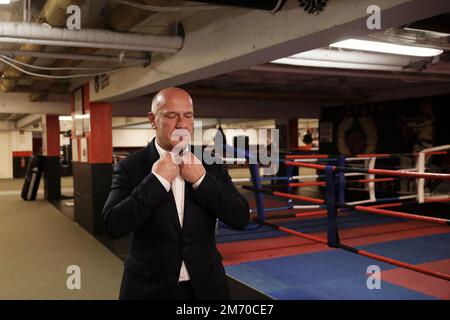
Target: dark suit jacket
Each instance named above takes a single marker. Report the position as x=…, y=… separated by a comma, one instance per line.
x=139, y=203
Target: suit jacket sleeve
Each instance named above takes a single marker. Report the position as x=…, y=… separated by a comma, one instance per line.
x=223, y=199
x=126, y=207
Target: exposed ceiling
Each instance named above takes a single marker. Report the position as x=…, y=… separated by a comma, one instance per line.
x=329, y=86
x=338, y=86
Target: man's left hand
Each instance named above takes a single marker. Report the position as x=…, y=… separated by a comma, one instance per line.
x=191, y=168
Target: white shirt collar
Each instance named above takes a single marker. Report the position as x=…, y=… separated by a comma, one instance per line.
x=162, y=151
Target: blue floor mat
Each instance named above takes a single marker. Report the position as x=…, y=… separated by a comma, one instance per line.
x=353, y=220
x=338, y=274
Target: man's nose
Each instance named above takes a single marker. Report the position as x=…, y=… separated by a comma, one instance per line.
x=181, y=123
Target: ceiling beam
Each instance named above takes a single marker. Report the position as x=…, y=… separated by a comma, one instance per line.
x=13, y=102
x=118, y=122
x=226, y=40
x=28, y=120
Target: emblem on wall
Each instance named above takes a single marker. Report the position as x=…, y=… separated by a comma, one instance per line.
x=420, y=129
x=356, y=135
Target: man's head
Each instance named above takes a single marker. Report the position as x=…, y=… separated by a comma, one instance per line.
x=172, y=116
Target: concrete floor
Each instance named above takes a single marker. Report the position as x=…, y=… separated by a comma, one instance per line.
x=38, y=244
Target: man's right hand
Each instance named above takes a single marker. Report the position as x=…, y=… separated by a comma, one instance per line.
x=166, y=167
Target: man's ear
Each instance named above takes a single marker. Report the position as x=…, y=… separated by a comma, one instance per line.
x=152, y=119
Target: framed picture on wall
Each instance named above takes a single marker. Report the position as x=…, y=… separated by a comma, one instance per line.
x=78, y=111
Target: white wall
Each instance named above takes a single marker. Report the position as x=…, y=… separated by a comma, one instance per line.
x=6, y=165
x=132, y=137
x=21, y=141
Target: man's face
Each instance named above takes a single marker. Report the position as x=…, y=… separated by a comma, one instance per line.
x=174, y=122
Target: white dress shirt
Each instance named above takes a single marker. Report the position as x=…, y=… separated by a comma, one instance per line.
x=177, y=187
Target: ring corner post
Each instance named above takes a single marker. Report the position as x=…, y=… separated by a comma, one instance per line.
x=330, y=199
x=254, y=173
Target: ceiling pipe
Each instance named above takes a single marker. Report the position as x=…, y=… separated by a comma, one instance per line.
x=266, y=5
x=116, y=21
x=69, y=56
x=34, y=33
x=52, y=13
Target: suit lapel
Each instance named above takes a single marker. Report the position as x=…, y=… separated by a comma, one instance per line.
x=153, y=156
x=187, y=205
x=173, y=211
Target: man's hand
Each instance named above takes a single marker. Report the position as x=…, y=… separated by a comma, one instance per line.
x=166, y=167
x=191, y=168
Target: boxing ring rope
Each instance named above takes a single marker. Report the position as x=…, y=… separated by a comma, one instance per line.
x=421, y=168
x=331, y=207
x=332, y=234
x=360, y=252
x=383, y=172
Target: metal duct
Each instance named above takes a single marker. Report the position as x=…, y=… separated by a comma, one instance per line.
x=103, y=39
x=54, y=11
x=117, y=21
x=267, y=5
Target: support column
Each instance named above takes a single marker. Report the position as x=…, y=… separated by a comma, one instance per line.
x=50, y=150
x=92, y=159
x=292, y=134
x=288, y=134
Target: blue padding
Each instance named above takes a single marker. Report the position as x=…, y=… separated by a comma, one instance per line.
x=415, y=250
x=339, y=274
x=353, y=220
x=353, y=288
x=315, y=267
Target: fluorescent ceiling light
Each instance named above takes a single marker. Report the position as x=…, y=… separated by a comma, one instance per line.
x=364, y=45
x=336, y=64
x=64, y=118
x=429, y=32
x=6, y=1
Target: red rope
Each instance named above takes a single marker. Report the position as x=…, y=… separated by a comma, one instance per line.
x=402, y=215
x=404, y=265
x=297, y=197
x=364, y=253
x=306, y=184
x=307, y=156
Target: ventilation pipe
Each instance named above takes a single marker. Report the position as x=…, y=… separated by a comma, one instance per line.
x=53, y=13
x=35, y=33
x=117, y=21
x=267, y=5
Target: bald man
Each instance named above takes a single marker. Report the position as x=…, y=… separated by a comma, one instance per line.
x=170, y=201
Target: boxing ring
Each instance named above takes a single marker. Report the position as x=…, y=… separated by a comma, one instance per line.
x=334, y=174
